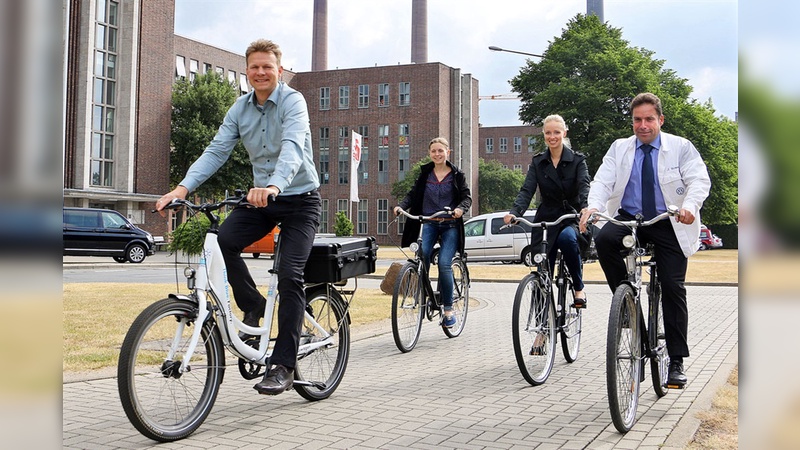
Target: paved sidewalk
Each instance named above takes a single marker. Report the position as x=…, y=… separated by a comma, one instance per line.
x=464, y=393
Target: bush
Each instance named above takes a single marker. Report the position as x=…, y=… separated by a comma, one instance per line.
x=190, y=236
x=343, y=226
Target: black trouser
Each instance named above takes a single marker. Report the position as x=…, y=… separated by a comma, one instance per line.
x=298, y=216
x=671, y=273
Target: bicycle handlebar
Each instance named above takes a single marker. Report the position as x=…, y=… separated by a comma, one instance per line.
x=208, y=207
x=421, y=217
x=525, y=221
x=672, y=210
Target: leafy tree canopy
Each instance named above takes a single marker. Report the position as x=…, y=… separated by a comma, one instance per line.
x=498, y=186
x=198, y=108
x=590, y=74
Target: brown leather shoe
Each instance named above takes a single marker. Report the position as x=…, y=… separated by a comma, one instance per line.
x=277, y=380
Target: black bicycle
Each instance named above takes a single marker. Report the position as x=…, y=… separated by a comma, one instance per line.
x=631, y=340
x=537, y=317
x=414, y=298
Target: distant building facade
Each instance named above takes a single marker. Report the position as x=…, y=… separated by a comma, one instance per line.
x=512, y=146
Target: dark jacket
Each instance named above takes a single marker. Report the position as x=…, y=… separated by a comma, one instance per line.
x=413, y=202
x=563, y=190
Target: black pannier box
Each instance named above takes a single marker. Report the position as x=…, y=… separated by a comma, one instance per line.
x=335, y=259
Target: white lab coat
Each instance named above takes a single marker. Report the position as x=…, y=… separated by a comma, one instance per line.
x=682, y=177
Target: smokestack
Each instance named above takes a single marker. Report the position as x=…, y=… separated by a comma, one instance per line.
x=319, y=39
x=595, y=7
x=419, y=31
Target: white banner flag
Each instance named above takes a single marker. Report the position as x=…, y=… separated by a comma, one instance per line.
x=355, y=160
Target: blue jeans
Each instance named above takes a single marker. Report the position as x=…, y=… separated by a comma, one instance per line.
x=431, y=232
x=567, y=242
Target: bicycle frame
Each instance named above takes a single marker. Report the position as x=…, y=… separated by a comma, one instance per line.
x=211, y=287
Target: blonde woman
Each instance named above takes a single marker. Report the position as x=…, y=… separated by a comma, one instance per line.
x=562, y=178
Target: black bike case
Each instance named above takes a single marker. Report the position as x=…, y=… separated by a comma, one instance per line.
x=335, y=259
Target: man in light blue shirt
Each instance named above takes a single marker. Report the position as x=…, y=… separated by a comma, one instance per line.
x=273, y=124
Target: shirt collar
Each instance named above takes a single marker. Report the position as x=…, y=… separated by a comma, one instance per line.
x=273, y=97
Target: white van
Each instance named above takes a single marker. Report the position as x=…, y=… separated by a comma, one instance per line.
x=486, y=242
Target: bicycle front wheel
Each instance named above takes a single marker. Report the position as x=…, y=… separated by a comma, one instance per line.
x=160, y=401
x=623, y=360
x=323, y=367
x=571, y=329
x=659, y=361
x=408, y=308
x=533, y=330
x=460, y=298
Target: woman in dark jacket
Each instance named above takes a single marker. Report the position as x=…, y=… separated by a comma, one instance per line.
x=440, y=185
x=562, y=178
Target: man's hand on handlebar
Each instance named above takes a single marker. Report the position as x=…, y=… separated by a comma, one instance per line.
x=179, y=192
x=585, y=215
x=509, y=218
x=684, y=216
x=260, y=197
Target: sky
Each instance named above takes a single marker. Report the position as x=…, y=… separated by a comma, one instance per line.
x=697, y=39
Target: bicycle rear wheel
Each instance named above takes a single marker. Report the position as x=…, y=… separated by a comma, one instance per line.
x=408, y=308
x=571, y=328
x=623, y=360
x=323, y=367
x=659, y=362
x=160, y=401
x=533, y=330
x=460, y=298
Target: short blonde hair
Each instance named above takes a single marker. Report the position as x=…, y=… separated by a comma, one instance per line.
x=266, y=46
x=439, y=140
x=557, y=119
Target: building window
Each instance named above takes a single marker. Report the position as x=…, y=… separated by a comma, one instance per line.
x=324, y=155
x=517, y=144
x=193, y=66
x=323, y=217
x=363, y=96
x=342, y=206
x=383, y=216
x=324, y=98
x=405, y=93
x=363, y=173
x=383, y=94
x=401, y=224
x=104, y=94
x=383, y=154
x=363, y=220
x=232, y=78
x=243, y=82
x=344, y=155
x=403, y=152
x=220, y=71
x=206, y=68
x=489, y=145
x=180, y=65
x=503, y=145
x=344, y=97
x=518, y=167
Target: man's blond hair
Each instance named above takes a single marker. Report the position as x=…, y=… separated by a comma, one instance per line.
x=266, y=46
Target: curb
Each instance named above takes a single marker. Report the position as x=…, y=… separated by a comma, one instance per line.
x=687, y=426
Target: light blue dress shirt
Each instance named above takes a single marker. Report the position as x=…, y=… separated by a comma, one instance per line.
x=277, y=137
x=632, y=198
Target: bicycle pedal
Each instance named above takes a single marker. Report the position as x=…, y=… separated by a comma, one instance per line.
x=676, y=386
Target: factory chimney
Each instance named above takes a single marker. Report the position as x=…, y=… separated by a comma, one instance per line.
x=595, y=7
x=319, y=39
x=419, y=31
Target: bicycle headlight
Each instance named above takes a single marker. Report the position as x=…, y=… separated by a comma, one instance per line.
x=188, y=272
x=414, y=247
x=628, y=241
x=538, y=258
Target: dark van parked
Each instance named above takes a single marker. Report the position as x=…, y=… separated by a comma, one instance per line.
x=103, y=232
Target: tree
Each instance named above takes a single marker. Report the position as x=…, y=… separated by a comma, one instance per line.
x=198, y=108
x=497, y=186
x=590, y=74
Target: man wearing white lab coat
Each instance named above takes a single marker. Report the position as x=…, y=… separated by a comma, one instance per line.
x=620, y=188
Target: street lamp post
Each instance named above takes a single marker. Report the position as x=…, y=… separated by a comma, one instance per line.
x=498, y=49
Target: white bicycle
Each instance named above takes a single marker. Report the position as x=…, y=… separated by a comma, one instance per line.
x=172, y=360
